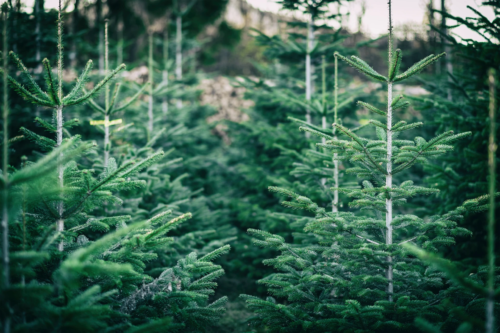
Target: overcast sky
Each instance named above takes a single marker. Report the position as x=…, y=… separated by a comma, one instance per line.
x=403, y=11
x=375, y=19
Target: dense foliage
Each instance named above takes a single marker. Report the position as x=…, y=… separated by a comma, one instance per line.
x=125, y=208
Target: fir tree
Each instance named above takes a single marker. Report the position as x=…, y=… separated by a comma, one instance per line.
x=456, y=175
x=110, y=100
x=180, y=11
x=483, y=285
x=267, y=149
x=332, y=277
x=92, y=261
x=313, y=9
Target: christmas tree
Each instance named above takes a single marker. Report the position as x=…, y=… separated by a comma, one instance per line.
x=97, y=263
x=350, y=271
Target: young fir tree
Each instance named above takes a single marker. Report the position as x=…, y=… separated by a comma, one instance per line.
x=180, y=10
x=349, y=271
x=314, y=9
x=168, y=181
x=268, y=149
x=308, y=169
x=455, y=175
x=110, y=102
x=95, y=277
x=480, y=288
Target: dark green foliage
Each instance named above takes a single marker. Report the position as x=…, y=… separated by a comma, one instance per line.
x=315, y=204
x=352, y=271
x=89, y=266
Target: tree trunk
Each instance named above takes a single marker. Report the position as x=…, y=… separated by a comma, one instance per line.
x=39, y=10
x=5, y=208
x=119, y=49
x=60, y=175
x=446, y=48
x=98, y=8
x=150, y=106
x=178, y=53
x=74, y=27
x=490, y=302
x=164, y=104
x=388, y=179
x=310, y=43
x=335, y=205
x=60, y=122
x=107, y=143
x=323, y=118
x=15, y=18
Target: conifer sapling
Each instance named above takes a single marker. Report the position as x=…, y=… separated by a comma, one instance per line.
x=54, y=98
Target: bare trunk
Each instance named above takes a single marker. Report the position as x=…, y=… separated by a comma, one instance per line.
x=335, y=205
x=388, y=179
x=178, y=50
x=446, y=48
x=164, y=104
x=5, y=253
x=73, y=27
x=150, y=106
x=323, y=140
x=388, y=185
x=323, y=118
x=60, y=122
x=5, y=206
x=119, y=49
x=490, y=303
x=98, y=9
x=310, y=43
x=178, y=54
x=38, y=18
x=15, y=17
x=60, y=174
x=107, y=143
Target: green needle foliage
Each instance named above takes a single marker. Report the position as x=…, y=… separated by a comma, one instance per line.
x=350, y=272
x=78, y=263
x=111, y=103
x=129, y=228
x=483, y=283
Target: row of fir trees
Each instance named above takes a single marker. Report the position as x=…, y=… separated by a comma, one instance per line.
x=388, y=223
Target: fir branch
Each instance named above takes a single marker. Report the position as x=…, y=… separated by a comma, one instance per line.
x=315, y=132
x=372, y=108
x=131, y=100
x=94, y=105
x=363, y=67
x=418, y=67
x=168, y=226
x=283, y=191
x=49, y=162
x=36, y=90
x=51, y=85
x=311, y=126
x=136, y=167
x=97, y=88
x=26, y=95
x=395, y=64
x=45, y=124
x=358, y=140
x=113, y=97
x=451, y=271
x=80, y=82
x=215, y=254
